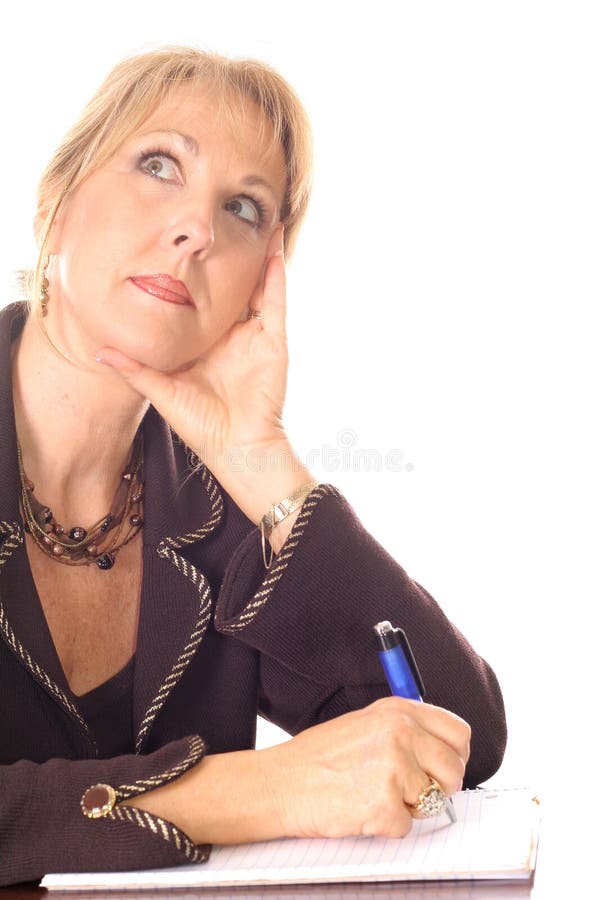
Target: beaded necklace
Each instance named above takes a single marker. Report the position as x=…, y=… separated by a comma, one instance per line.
x=101, y=542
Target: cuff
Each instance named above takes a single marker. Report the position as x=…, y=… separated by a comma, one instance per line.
x=99, y=801
x=246, y=575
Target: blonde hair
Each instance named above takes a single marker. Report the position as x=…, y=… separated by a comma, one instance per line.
x=130, y=93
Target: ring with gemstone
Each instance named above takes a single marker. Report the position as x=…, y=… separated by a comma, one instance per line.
x=431, y=802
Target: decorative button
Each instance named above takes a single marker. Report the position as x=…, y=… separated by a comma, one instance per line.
x=98, y=801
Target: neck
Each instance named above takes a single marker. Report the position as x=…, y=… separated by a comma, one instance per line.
x=75, y=426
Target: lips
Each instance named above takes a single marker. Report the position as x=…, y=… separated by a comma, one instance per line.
x=165, y=288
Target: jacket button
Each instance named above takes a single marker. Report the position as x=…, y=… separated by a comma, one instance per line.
x=98, y=801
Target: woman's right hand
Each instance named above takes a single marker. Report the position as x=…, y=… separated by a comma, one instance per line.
x=355, y=774
x=352, y=775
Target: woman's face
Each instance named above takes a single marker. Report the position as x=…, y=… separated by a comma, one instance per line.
x=183, y=199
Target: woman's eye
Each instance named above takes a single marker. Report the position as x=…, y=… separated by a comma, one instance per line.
x=160, y=165
x=246, y=209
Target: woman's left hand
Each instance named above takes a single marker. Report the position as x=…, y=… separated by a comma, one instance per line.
x=232, y=398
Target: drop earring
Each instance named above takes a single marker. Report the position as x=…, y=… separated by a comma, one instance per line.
x=44, y=296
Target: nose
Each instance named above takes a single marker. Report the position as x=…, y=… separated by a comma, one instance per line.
x=192, y=233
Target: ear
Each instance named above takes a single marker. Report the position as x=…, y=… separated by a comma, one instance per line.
x=39, y=222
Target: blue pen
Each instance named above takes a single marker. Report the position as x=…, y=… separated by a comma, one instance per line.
x=401, y=672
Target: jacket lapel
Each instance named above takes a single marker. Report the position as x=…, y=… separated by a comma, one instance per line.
x=177, y=600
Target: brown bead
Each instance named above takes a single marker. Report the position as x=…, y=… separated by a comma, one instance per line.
x=57, y=550
x=135, y=520
x=91, y=550
x=58, y=529
x=29, y=484
x=48, y=542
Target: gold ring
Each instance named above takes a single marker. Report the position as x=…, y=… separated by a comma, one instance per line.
x=431, y=802
x=253, y=314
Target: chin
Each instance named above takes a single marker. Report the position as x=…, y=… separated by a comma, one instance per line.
x=164, y=359
x=156, y=347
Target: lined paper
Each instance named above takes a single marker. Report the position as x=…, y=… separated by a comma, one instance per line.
x=495, y=837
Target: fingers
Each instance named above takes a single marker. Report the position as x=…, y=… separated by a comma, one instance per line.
x=362, y=772
x=275, y=247
x=439, y=761
x=150, y=383
x=432, y=742
x=269, y=299
x=441, y=723
x=181, y=408
x=446, y=727
x=273, y=307
x=390, y=817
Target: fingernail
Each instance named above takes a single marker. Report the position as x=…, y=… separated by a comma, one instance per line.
x=101, y=358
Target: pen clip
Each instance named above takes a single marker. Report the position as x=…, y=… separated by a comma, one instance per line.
x=403, y=641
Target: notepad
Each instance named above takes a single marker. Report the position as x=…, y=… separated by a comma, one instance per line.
x=495, y=837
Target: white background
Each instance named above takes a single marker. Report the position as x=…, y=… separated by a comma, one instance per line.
x=440, y=302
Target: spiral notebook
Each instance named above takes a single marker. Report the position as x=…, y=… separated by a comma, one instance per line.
x=495, y=838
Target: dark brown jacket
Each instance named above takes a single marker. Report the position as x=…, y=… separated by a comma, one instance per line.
x=219, y=641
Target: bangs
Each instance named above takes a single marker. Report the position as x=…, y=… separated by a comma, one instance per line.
x=238, y=88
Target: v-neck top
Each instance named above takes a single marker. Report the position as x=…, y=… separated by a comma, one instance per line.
x=108, y=712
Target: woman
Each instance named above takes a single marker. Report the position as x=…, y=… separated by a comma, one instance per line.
x=152, y=604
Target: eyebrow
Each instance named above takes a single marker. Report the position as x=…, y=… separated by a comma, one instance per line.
x=191, y=145
x=251, y=180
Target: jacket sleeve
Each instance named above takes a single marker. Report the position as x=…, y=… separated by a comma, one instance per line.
x=311, y=617
x=43, y=828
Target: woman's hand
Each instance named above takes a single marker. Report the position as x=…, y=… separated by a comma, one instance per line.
x=356, y=774
x=228, y=405
x=232, y=398
x=353, y=775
